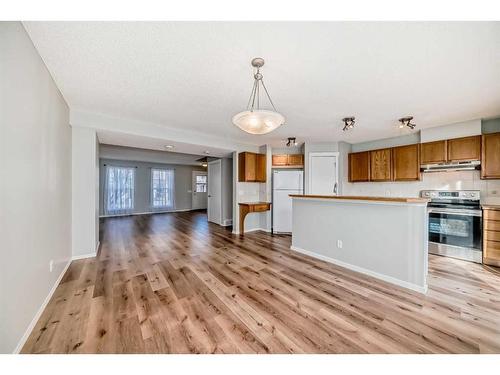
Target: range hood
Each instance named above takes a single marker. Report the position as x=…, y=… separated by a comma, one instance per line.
x=450, y=167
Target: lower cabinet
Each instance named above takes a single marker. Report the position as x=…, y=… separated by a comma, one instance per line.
x=491, y=236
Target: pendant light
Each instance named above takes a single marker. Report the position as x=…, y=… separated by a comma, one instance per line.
x=256, y=120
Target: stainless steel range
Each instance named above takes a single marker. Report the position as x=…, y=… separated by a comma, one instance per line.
x=455, y=223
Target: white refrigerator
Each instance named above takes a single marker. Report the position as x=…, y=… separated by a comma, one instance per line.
x=285, y=183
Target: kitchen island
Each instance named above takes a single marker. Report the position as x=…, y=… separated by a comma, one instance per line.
x=379, y=236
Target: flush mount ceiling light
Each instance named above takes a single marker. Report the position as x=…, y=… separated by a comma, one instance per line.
x=348, y=123
x=207, y=152
x=255, y=120
x=406, y=121
x=291, y=141
x=169, y=147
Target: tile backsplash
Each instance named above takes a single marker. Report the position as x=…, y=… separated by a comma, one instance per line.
x=460, y=180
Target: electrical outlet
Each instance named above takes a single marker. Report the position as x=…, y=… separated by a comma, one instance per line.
x=339, y=244
x=51, y=265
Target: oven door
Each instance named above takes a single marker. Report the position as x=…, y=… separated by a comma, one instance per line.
x=455, y=233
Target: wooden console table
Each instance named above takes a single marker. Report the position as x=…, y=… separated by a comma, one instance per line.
x=248, y=207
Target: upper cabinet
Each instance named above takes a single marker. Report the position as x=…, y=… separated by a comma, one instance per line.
x=433, y=152
x=288, y=161
x=359, y=166
x=381, y=165
x=251, y=167
x=464, y=149
x=406, y=163
x=490, y=156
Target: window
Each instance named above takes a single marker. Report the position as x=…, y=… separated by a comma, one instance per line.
x=201, y=183
x=119, y=189
x=162, y=188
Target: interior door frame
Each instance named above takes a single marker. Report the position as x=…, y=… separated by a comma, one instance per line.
x=218, y=161
x=193, y=186
x=309, y=168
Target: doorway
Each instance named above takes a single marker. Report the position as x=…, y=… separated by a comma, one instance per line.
x=323, y=173
x=199, y=189
x=214, y=201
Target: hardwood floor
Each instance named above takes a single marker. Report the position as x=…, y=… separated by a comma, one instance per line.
x=172, y=283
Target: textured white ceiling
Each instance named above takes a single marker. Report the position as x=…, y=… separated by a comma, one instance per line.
x=196, y=75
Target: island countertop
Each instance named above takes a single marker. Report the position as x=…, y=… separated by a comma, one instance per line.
x=362, y=198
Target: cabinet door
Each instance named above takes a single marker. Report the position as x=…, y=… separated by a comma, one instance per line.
x=381, y=165
x=462, y=149
x=433, y=152
x=260, y=168
x=490, y=158
x=406, y=163
x=296, y=160
x=359, y=166
x=280, y=160
x=246, y=167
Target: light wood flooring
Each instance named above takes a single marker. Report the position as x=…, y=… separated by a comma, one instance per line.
x=172, y=283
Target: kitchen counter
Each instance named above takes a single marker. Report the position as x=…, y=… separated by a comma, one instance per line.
x=361, y=198
x=384, y=238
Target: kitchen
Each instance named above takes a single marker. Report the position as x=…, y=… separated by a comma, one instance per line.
x=454, y=167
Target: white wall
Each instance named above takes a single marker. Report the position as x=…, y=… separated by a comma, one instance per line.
x=85, y=202
x=401, y=257
x=35, y=184
x=457, y=130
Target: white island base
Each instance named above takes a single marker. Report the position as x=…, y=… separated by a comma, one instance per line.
x=384, y=238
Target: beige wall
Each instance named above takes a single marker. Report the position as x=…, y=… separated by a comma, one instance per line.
x=35, y=184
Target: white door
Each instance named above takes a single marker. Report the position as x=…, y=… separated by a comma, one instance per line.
x=214, y=211
x=323, y=173
x=199, y=190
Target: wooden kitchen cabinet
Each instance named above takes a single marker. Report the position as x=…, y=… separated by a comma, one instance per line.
x=251, y=167
x=406, y=163
x=464, y=149
x=288, y=161
x=433, y=152
x=359, y=166
x=280, y=160
x=490, y=156
x=491, y=235
x=381, y=165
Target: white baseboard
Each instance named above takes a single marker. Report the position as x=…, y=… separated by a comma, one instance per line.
x=32, y=325
x=227, y=223
x=49, y=296
x=151, y=212
x=254, y=230
x=88, y=255
x=389, y=279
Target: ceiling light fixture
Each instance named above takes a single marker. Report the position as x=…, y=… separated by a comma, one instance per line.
x=207, y=152
x=255, y=120
x=169, y=147
x=348, y=123
x=406, y=121
x=204, y=165
x=291, y=141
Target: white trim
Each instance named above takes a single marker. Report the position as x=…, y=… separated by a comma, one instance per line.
x=49, y=296
x=254, y=230
x=227, y=222
x=389, y=279
x=218, y=161
x=149, y=212
x=38, y=314
x=309, y=169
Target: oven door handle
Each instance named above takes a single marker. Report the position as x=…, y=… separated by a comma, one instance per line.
x=455, y=212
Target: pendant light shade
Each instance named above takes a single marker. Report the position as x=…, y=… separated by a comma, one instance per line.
x=256, y=120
